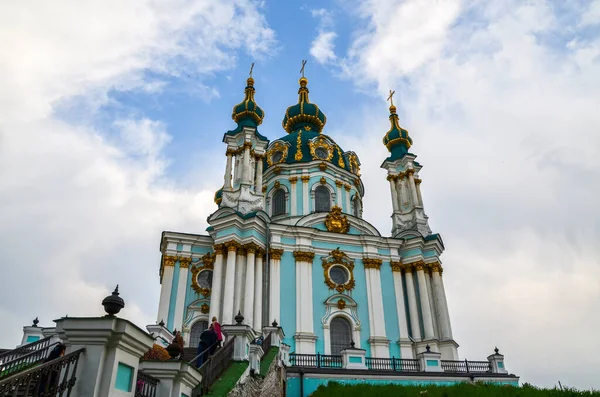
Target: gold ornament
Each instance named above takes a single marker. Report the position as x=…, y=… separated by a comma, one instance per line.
x=320, y=142
x=277, y=147
x=184, y=262
x=323, y=166
x=340, y=158
x=304, y=256
x=275, y=253
x=305, y=178
x=338, y=258
x=298, y=155
x=208, y=263
x=341, y=304
x=336, y=222
x=293, y=180
x=372, y=263
x=322, y=181
x=204, y=308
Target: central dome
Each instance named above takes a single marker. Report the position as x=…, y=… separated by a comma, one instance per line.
x=304, y=114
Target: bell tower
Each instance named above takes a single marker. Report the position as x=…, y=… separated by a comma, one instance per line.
x=405, y=185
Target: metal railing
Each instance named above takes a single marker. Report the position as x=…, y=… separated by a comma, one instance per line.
x=315, y=360
x=266, y=344
x=145, y=386
x=25, y=349
x=24, y=359
x=466, y=367
x=392, y=364
x=216, y=365
x=54, y=378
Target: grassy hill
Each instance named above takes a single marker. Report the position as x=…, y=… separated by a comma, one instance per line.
x=460, y=390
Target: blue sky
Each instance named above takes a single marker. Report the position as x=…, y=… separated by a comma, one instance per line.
x=112, y=115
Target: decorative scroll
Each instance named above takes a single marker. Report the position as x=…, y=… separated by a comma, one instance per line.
x=336, y=222
x=208, y=263
x=338, y=258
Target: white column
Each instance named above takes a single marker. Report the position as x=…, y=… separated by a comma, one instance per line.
x=348, y=201
x=418, y=185
x=229, y=283
x=402, y=191
x=274, y=282
x=305, y=338
x=440, y=299
x=238, y=291
x=246, y=160
x=229, y=154
x=293, y=204
x=378, y=341
x=216, y=294
x=236, y=173
x=399, y=291
x=259, y=174
x=252, y=168
x=248, y=311
x=184, y=264
x=338, y=185
x=432, y=305
x=165, y=288
x=425, y=307
x=412, y=304
x=413, y=189
x=258, y=284
x=305, y=202
x=395, y=201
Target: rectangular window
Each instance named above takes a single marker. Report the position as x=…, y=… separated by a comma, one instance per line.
x=124, y=379
x=32, y=338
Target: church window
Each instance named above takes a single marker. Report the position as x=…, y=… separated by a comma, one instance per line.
x=339, y=275
x=278, y=203
x=322, y=199
x=197, y=329
x=204, y=279
x=277, y=157
x=340, y=335
x=322, y=153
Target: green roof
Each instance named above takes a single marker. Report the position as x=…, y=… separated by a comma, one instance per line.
x=304, y=113
x=396, y=139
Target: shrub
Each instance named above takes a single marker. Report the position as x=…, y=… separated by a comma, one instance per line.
x=157, y=353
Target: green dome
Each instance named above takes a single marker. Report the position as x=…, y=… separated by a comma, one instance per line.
x=304, y=114
x=302, y=146
x=248, y=112
x=396, y=139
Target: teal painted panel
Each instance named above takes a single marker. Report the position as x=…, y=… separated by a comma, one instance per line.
x=355, y=359
x=432, y=363
x=32, y=338
x=383, y=251
x=411, y=252
x=332, y=246
x=501, y=365
x=390, y=311
x=359, y=294
x=288, y=240
x=200, y=249
x=232, y=231
x=124, y=379
x=311, y=384
x=184, y=395
x=173, y=297
x=179, y=246
x=287, y=306
x=429, y=254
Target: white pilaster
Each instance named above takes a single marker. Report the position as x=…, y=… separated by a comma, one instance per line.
x=248, y=310
x=339, y=198
x=406, y=350
x=305, y=202
x=216, y=294
x=258, y=284
x=246, y=162
x=259, y=174
x=184, y=264
x=413, y=189
x=305, y=337
x=275, y=280
x=425, y=307
x=239, y=280
x=229, y=284
x=293, y=196
x=402, y=191
x=378, y=341
x=418, y=185
x=165, y=289
x=348, y=201
x=227, y=184
x=412, y=304
x=440, y=299
x=395, y=201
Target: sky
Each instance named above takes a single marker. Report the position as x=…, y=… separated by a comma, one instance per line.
x=112, y=114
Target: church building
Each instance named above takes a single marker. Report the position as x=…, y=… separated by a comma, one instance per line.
x=288, y=245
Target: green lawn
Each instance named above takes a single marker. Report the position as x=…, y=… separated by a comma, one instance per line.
x=227, y=381
x=460, y=390
x=268, y=359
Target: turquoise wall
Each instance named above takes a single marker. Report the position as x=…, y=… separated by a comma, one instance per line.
x=232, y=231
x=287, y=284
x=332, y=246
x=390, y=312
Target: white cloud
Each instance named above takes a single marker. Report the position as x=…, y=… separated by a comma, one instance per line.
x=323, y=47
x=505, y=125
x=82, y=205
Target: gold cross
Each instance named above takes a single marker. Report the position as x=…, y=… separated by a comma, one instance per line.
x=390, y=98
x=251, y=67
x=303, y=64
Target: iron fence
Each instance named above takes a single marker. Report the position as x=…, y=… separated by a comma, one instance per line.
x=315, y=360
x=392, y=364
x=473, y=367
x=54, y=378
x=145, y=385
x=216, y=365
x=12, y=355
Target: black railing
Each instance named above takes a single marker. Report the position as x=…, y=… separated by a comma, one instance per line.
x=466, y=367
x=145, y=385
x=392, y=364
x=11, y=355
x=315, y=360
x=24, y=359
x=266, y=344
x=54, y=378
x=216, y=365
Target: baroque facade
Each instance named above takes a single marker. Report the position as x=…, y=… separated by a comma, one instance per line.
x=288, y=244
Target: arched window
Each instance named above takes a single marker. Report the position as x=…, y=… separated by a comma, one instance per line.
x=278, y=206
x=357, y=207
x=197, y=329
x=322, y=200
x=341, y=335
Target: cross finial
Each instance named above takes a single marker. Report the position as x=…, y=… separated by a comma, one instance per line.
x=391, y=97
x=251, y=67
x=302, y=69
